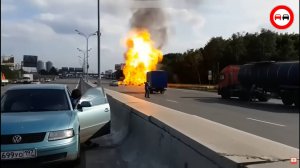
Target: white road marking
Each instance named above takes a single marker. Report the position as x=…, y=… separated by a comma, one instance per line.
x=183, y=90
x=172, y=101
x=266, y=122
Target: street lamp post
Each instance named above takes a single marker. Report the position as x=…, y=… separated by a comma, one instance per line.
x=84, y=58
x=87, y=46
x=81, y=61
x=98, y=41
x=83, y=65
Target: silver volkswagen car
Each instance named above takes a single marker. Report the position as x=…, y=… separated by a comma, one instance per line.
x=40, y=123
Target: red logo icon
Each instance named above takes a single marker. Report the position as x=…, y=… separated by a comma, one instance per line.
x=293, y=160
x=282, y=17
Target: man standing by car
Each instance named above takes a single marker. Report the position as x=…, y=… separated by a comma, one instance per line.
x=75, y=96
x=147, y=90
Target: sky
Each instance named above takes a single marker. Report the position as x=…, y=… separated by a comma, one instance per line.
x=46, y=28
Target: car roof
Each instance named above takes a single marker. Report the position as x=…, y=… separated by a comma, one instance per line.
x=38, y=86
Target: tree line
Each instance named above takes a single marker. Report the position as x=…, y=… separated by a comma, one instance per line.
x=193, y=65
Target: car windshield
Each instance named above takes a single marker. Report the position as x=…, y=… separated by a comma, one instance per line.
x=34, y=100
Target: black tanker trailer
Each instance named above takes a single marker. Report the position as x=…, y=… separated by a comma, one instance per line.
x=262, y=81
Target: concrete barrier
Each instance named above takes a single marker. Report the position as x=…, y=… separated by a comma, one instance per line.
x=148, y=135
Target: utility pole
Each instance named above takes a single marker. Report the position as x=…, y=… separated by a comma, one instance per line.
x=87, y=46
x=98, y=41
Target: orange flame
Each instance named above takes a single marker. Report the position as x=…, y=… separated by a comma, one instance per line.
x=141, y=57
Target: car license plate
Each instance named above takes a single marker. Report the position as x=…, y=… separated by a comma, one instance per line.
x=23, y=154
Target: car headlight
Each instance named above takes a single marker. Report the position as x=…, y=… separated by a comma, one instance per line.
x=63, y=134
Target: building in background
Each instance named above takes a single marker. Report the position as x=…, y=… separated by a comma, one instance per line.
x=30, y=61
x=49, y=65
x=119, y=66
x=8, y=60
x=71, y=70
x=108, y=74
x=40, y=65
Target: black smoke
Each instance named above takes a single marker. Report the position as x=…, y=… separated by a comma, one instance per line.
x=153, y=19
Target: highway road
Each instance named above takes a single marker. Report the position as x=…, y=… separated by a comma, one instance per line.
x=271, y=120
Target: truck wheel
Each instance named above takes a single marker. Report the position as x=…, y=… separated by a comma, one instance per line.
x=225, y=96
x=263, y=99
x=162, y=92
x=287, y=100
x=296, y=99
x=244, y=97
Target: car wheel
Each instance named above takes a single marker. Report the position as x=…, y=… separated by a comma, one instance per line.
x=77, y=161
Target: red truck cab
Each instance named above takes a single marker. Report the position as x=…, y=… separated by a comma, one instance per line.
x=229, y=81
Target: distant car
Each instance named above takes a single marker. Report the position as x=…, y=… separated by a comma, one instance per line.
x=19, y=80
x=39, y=123
x=14, y=81
x=36, y=82
x=47, y=80
x=114, y=83
x=26, y=80
x=4, y=82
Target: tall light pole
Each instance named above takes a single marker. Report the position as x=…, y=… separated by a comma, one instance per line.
x=87, y=46
x=98, y=41
x=80, y=60
x=83, y=65
x=84, y=58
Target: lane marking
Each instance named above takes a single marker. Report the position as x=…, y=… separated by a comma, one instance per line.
x=183, y=90
x=173, y=101
x=266, y=122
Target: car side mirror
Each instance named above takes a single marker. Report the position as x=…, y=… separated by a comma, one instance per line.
x=84, y=104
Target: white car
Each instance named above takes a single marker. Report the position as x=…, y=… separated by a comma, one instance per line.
x=26, y=80
x=36, y=82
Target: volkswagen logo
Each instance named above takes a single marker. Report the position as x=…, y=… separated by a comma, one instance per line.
x=16, y=139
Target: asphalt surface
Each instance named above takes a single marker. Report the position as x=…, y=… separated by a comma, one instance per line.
x=271, y=120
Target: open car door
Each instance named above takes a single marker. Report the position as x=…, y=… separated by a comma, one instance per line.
x=94, y=114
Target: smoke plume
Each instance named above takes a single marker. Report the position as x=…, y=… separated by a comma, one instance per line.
x=153, y=19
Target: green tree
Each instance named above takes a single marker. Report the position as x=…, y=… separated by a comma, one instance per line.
x=193, y=59
x=212, y=54
x=192, y=66
x=267, y=40
x=53, y=71
x=43, y=72
x=9, y=74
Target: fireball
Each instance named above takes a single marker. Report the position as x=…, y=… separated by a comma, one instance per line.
x=141, y=57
